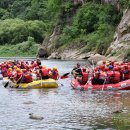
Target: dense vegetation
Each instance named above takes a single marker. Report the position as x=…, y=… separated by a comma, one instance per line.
x=91, y=25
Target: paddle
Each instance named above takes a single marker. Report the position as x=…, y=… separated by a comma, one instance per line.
x=64, y=76
x=19, y=81
x=60, y=83
x=6, y=84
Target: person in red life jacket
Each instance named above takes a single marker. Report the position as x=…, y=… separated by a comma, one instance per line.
x=22, y=65
x=35, y=64
x=18, y=76
x=84, y=78
x=55, y=74
x=116, y=78
x=125, y=73
x=111, y=75
x=50, y=72
x=8, y=66
x=44, y=73
x=31, y=67
x=9, y=73
x=102, y=67
x=4, y=70
x=18, y=65
x=26, y=77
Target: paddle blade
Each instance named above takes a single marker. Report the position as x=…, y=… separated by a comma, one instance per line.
x=6, y=84
x=64, y=77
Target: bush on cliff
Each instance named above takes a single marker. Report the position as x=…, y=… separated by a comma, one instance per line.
x=93, y=25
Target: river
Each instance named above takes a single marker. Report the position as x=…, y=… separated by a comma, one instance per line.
x=62, y=108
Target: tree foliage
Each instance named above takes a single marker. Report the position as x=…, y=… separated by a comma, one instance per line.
x=91, y=24
x=94, y=21
x=14, y=31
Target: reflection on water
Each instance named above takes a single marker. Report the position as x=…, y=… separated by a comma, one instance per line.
x=62, y=108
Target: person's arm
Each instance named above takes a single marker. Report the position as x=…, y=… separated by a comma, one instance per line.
x=19, y=80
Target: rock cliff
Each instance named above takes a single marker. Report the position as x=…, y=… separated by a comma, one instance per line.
x=121, y=42
x=119, y=48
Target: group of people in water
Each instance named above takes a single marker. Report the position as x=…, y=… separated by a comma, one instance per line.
x=108, y=72
x=25, y=72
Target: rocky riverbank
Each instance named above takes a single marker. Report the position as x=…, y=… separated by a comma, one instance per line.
x=118, y=50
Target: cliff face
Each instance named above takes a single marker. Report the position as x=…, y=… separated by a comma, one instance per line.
x=118, y=48
x=121, y=41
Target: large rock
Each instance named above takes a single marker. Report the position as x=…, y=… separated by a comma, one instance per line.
x=42, y=53
x=54, y=55
x=121, y=40
x=96, y=58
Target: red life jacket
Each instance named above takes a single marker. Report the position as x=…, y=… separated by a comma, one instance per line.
x=44, y=72
x=9, y=74
x=113, y=76
x=55, y=74
x=116, y=77
x=18, y=76
x=4, y=72
x=110, y=75
x=84, y=76
x=27, y=78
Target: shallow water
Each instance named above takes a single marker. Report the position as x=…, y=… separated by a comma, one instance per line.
x=62, y=108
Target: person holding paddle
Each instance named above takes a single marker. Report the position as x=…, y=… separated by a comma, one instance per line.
x=17, y=77
x=77, y=71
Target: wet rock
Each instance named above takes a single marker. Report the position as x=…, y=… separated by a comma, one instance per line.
x=35, y=117
x=54, y=55
x=99, y=63
x=42, y=53
x=97, y=57
x=118, y=111
x=29, y=102
x=86, y=55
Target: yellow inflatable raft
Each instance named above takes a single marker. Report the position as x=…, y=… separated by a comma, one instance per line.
x=47, y=83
